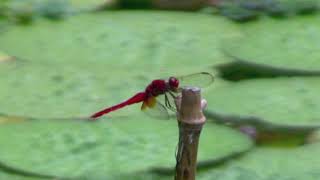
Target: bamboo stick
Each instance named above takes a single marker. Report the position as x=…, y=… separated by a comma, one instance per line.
x=190, y=121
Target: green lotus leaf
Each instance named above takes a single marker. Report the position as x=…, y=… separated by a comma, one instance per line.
x=289, y=45
x=282, y=101
x=106, y=148
x=268, y=163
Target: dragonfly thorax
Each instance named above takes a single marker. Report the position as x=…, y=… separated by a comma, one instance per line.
x=157, y=87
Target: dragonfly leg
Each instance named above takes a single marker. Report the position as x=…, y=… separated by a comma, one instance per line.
x=168, y=104
x=174, y=96
x=166, y=100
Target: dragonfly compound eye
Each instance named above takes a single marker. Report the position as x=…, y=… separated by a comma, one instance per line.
x=173, y=82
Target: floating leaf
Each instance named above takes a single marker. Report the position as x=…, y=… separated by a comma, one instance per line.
x=269, y=163
x=4, y=175
x=90, y=5
x=282, y=101
x=106, y=148
x=39, y=91
x=69, y=71
x=42, y=92
x=287, y=45
x=154, y=43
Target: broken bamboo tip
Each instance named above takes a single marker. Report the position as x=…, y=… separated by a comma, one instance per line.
x=190, y=106
x=190, y=120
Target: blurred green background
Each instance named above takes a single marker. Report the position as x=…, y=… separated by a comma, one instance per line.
x=62, y=60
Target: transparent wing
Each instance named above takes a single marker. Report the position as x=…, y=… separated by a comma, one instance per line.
x=167, y=100
x=201, y=80
x=155, y=109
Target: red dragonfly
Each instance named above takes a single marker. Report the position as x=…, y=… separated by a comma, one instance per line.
x=165, y=87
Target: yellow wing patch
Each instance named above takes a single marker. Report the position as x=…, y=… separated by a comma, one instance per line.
x=144, y=106
x=150, y=102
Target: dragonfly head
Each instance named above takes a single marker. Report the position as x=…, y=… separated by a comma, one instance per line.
x=173, y=83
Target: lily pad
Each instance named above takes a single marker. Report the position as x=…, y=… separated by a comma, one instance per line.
x=154, y=41
x=8, y=172
x=69, y=71
x=40, y=91
x=288, y=45
x=4, y=175
x=57, y=7
x=89, y=5
x=106, y=148
x=268, y=163
x=282, y=101
x=4, y=24
x=63, y=7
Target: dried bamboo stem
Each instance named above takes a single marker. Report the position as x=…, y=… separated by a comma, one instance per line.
x=190, y=120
